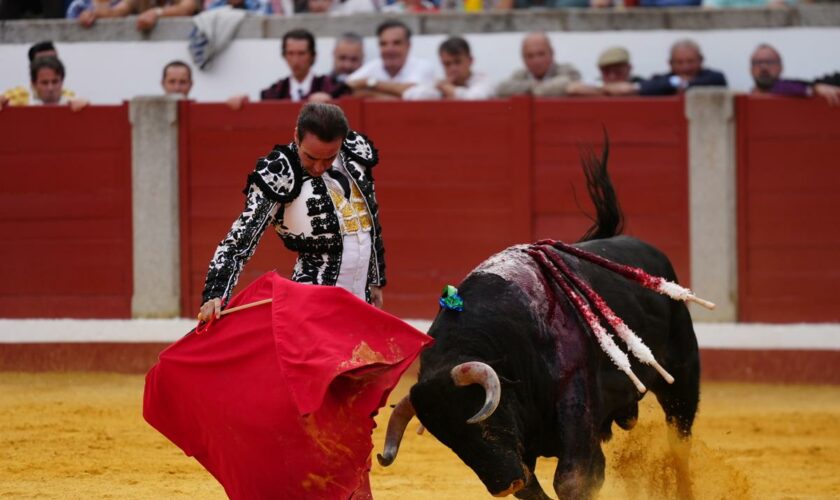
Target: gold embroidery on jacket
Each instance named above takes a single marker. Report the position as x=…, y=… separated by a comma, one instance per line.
x=353, y=215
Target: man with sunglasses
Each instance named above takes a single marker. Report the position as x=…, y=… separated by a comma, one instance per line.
x=766, y=70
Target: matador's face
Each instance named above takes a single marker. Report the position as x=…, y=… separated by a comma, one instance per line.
x=317, y=156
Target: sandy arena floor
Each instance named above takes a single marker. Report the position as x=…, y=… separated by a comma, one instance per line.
x=82, y=436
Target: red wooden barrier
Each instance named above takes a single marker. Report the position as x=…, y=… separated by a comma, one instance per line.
x=65, y=212
x=219, y=149
x=648, y=164
x=788, y=238
x=455, y=181
x=452, y=186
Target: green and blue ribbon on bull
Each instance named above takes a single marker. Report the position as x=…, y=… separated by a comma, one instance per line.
x=450, y=299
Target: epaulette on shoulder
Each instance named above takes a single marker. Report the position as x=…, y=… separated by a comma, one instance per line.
x=278, y=174
x=360, y=149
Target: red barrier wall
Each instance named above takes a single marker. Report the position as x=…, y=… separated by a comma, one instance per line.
x=788, y=184
x=457, y=181
x=219, y=148
x=65, y=212
x=439, y=218
x=648, y=164
x=454, y=188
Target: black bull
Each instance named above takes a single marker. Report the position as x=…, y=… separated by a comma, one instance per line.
x=522, y=357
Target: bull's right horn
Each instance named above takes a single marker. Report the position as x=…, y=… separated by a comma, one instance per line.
x=476, y=372
x=396, y=428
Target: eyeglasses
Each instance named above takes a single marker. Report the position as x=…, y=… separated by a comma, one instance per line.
x=765, y=62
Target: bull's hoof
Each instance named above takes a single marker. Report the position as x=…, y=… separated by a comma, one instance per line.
x=627, y=418
x=627, y=424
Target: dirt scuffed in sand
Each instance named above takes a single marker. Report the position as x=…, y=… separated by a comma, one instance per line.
x=82, y=436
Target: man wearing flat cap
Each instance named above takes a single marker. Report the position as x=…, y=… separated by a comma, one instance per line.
x=614, y=65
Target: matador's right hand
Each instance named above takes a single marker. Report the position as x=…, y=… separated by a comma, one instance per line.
x=211, y=308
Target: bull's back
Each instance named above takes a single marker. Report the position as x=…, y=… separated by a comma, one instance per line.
x=632, y=252
x=651, y=315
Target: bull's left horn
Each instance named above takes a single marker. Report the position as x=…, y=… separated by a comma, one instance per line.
x=396, y=428
x=476, y=372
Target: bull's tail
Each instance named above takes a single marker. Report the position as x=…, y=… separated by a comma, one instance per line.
x=609, y=219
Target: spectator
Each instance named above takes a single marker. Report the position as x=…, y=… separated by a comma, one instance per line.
x=460, y=82
x=542, y=76
x=546, y=4
x=260, y=7
x=616, y=72
x=40, y=49
x=766, y=69
x=747, y=3
x=26, y=9
x=687, y=71
x=177, y=78
x=670, y=3
x=20, y=95
x=410, y=6
x=831, y=79
x=394, y=71
x=348, y=56
x=149, y=11
x=47, y=78
x=298, y=48
x=339, y=7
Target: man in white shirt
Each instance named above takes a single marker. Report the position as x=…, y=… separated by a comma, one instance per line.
x=460, y=82
x=394, y=71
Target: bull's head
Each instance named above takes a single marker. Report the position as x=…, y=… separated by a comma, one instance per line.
x=460, y=409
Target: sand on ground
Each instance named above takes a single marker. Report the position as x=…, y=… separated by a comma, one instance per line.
x=82, y=435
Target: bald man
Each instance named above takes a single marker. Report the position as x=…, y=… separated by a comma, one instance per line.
x=766, y=70
x=542, y=76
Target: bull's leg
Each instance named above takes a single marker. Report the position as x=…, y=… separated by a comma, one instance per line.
x=579, y=477
x=679, y=400
x=532, y=489
x=580, y=469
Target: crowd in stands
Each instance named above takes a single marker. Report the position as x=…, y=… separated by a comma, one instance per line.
x=149, y=11
x=397, y=74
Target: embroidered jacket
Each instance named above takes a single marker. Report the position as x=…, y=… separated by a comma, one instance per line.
x=299, y=207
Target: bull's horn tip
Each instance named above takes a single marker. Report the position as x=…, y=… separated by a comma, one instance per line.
x=384, y=462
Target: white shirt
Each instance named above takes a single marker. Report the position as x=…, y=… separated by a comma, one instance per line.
x=477, y=87
x=414, y=70
x=299, y=90
x=356, y=248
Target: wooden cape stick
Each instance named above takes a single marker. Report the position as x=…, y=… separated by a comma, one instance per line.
x=243, y=306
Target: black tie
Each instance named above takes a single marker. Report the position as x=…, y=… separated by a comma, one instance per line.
x=342, y=179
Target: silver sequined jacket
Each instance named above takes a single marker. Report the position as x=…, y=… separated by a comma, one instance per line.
x=314, y=233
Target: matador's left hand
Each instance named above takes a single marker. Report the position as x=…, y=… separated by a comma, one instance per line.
x=376, y=296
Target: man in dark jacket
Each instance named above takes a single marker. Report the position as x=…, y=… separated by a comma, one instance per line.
x=687, y=71
x=303, y=84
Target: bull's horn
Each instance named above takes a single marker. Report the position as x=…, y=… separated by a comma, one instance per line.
x=476, y=372
x=396, y=428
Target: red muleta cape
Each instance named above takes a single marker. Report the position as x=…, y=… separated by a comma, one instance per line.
x=276, y=401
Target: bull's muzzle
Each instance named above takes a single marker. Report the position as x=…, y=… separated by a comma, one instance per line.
x=513, y=488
